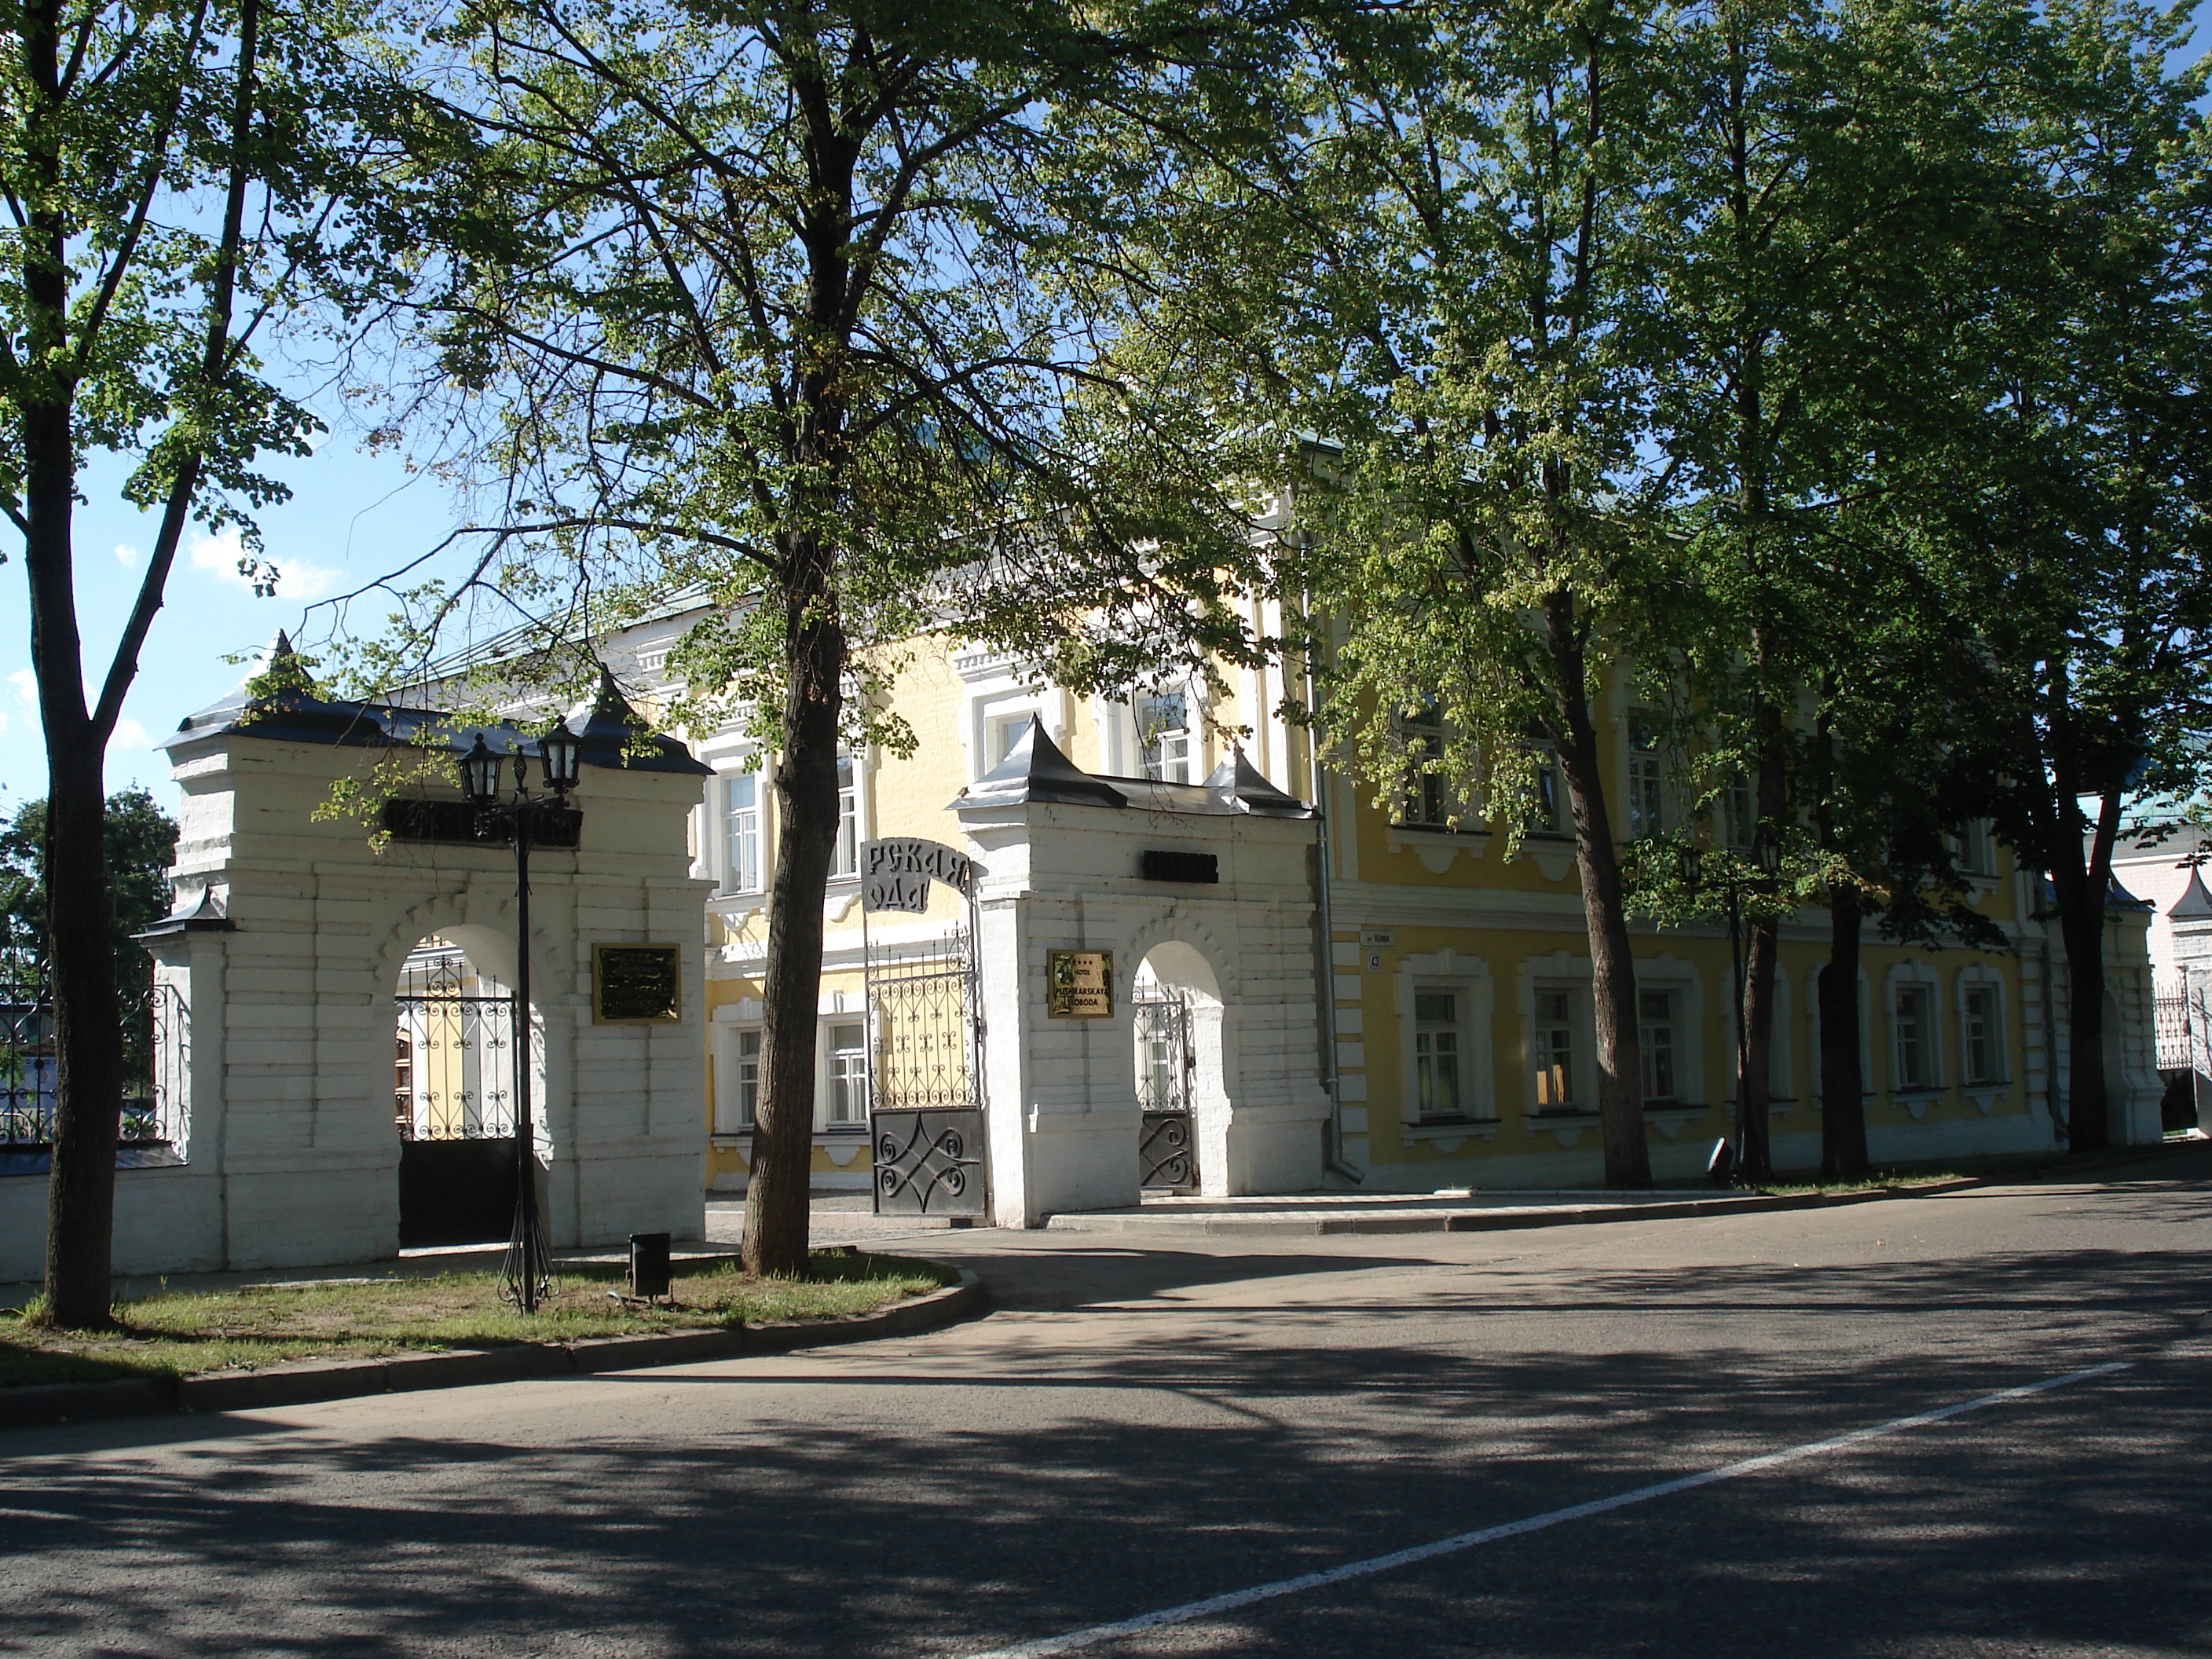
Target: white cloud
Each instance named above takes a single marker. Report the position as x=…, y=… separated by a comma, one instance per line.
x=127, y=555
x=26, y=684
x=295, y=578
x=129, y=734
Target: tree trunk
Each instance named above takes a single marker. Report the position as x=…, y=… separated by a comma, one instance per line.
x=1842, y=1091
x=1754, y=1088
x=776, y=1188
x=2082, y=930
x=1612, y=968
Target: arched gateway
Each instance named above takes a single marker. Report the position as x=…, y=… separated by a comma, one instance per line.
x=1148, y=957
x=303, y=1080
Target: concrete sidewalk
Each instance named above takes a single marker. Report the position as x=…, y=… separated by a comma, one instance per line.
x=1452, y=1210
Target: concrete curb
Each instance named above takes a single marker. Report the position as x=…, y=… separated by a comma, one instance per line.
x=1486, y=1221
x=315, y=1381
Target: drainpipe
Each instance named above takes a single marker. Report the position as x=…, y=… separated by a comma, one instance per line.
x=1333, y=1159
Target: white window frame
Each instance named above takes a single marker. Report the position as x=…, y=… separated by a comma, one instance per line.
x=1971, y=978
x=1184, y=751
x=1467, y=979
x=1581, y=1048
x=1646, y=797
x=827, y=1054
x=1549, y=813
x=1003, y=699
x=852, y=819
x=1977, y=846
x=1915, y=976
x=729, y=875
x=733, y=1114
x=1426, y=801
x=1669, y=1019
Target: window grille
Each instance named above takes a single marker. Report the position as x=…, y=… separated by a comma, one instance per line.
x=744, y=833
x=1916, y=1067
x=1983, y=1046
x=1655, y=1040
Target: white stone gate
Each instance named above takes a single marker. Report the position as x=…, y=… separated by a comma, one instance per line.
x=286, y=952
x=1210, y=887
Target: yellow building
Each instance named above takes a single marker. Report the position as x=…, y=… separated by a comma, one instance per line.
x=1459, y=979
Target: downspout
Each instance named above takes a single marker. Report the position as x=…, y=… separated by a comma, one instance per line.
x=1332, y=1157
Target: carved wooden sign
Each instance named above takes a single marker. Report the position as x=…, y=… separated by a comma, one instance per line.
x=896, y=873
x=1079, y=984
x=636, y=984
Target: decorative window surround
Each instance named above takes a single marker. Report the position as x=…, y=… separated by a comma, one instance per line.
x=1671, y=1121
x=1916, y=975
x=1917, y=1101
x=1436, y=846
x=1447, y=1138
x=1565, y=1127
x=1669, y=973
x=1467, y=978
x=1552, y=855
x=1981, y=977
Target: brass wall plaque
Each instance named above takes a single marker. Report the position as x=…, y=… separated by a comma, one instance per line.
x=1079, y=984
x=636, y=984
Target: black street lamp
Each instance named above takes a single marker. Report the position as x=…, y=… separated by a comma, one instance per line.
x=525, y=1275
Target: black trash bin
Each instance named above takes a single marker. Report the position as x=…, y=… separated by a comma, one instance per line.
x=649, y=1264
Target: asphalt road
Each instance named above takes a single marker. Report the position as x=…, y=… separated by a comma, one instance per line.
x=1139, y=1429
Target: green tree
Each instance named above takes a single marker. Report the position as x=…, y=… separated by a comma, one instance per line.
x=1487, y=530
x=140, y=843
x=2063, y=462
x=831, y=316
x=168, y=186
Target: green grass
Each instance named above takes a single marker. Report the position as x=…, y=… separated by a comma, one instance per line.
x=1877, y=1181
x=183, y=1335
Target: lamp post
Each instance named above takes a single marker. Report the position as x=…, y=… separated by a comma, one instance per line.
x=524, y=1274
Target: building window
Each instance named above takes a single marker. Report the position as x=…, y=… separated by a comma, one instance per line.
x=844, y=857
x=848, y=1077
x=1553, y=1039
x=1983, y=1033
x=740, y=1091
x=1655, y=1034
x=1001, y=733
x=744, y=834
x=1426, y=801
x=1436, y=1055
x=1915, y=1037
x=1739, y=816
x=1547, y=811
x=1646, y=787
x=1977, y=848
x=1164, y=736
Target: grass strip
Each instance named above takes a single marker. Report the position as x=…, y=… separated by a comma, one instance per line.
x=179, y=1333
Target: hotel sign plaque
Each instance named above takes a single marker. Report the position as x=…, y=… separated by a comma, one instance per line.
x=1079, y=984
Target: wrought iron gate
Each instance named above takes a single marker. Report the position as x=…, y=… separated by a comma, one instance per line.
x=924, y=1094
x=453, y=1103
x=1167, y=1145
x=155, y=1038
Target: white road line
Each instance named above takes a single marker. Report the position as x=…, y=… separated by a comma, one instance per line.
x=1466, y=1541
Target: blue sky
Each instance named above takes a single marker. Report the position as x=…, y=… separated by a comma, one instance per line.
x=352, y=516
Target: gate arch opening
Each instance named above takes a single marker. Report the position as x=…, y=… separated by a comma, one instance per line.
x=1183, y=1093
x=456, y=1025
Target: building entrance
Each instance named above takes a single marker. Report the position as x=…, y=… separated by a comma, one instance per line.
x=1167, y=1142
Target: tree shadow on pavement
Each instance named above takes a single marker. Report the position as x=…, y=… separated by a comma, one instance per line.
x=989, y=1490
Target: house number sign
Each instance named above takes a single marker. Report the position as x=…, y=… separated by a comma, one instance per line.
x=634, y=984
x=1079, y=984
x=896, y=873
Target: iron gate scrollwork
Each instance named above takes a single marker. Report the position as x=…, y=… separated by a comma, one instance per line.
x=453, y=1103
x=1166, y=1144
x=925, y=1049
